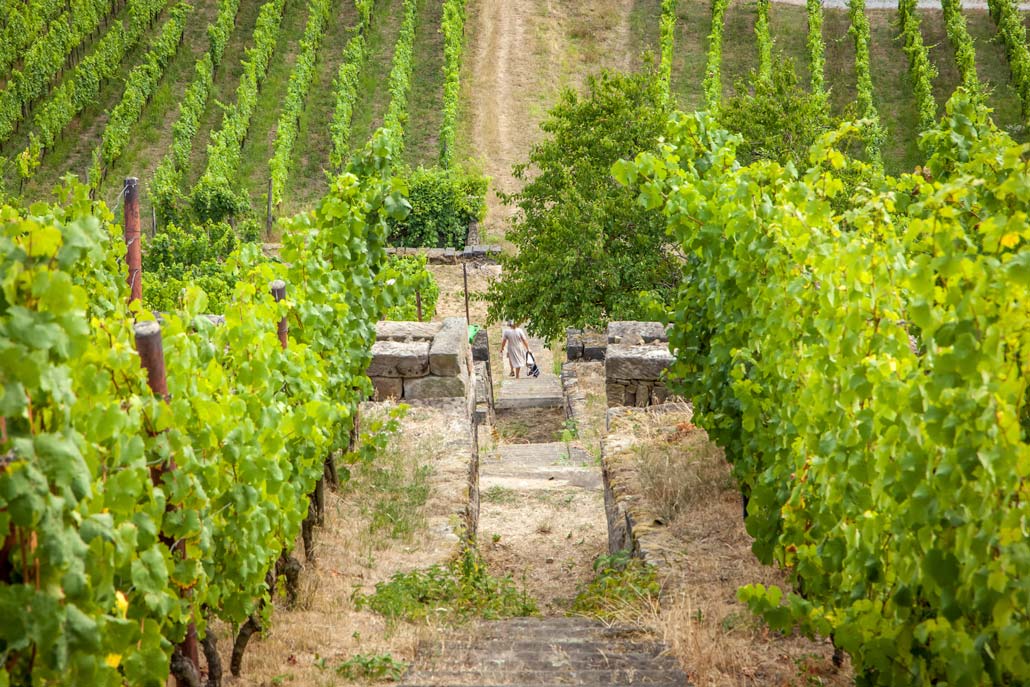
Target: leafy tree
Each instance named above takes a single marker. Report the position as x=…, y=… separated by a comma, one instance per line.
x=586, y=248
x=443, y=202
x=777, y=118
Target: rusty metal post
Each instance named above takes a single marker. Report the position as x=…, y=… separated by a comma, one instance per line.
x=152, y=359
x=418, y=304
x=133, y=250
x=279, y=293
x=152, y=356
x=465, y=274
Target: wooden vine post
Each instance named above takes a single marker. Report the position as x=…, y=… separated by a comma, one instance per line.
x=133, y=249
x=186, y=657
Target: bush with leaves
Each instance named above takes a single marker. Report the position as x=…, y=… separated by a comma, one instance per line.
x=859, y=30
x=443, y=203
x=962, y=43
x=399, y=82
x=586, y=248
x=667, y=41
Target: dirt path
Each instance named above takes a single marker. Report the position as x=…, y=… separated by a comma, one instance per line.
x=520, y=54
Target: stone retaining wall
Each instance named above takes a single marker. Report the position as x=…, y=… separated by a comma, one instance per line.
x=451, y=256
x=632, y=524
x=585, y=345
x=422, y=361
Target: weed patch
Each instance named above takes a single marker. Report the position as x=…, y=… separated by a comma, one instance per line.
x=457, y=591
x=624, y=588
x=372, y=668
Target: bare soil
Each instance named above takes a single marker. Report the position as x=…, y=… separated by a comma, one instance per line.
x=520, y=54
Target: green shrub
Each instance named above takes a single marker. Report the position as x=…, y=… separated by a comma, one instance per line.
x=443, y=202
x=622, y=584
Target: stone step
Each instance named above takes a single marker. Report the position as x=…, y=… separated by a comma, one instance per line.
x=579, y=644
x=675, y=681
x=532, y=455
x=557, y=658
x=504, y=675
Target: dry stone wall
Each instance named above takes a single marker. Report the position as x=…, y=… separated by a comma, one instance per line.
x=635, y=361
x=422, y=361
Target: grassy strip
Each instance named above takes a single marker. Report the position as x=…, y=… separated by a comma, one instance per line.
x=453, y=27
x=921, y=69
x=300, y=82
x=213, y=196
x=712, y=85
x=139, y=88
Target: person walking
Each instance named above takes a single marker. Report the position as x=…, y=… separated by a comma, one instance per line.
x=515, y=340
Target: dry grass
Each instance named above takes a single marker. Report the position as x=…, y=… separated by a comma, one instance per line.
x=306, y=645
x=715, y=637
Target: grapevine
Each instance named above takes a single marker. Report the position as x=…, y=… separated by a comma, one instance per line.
x=23, y=26
x=962, y=42
x=399, y=83
x=859, y=30
x=247, y=422
x=1007, y=16
x=83, y=86
x=453, y=28
x=764, y=40
x=139, y=88
x=816, y=47
x=921, y=69
x=713, y=79
x=167, y=178
x=45, y=59
x=300, y=81
x=667, y=41
x=346, y=85
x=861, y=358
x=213, y=196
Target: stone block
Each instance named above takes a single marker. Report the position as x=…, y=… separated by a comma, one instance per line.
x=594, y=346
x=399, y=359
x=641, y=363
x=643, y=395
x=387, y=388
x=428, y=388
x=387, y=330
x=481, y=346
x=629, y=332
x=616, y=394
x=449, y=349
x=660, y=394
x=573, y=344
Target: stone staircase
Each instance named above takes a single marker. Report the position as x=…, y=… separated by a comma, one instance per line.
x=530, y=392
x=545, y=652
